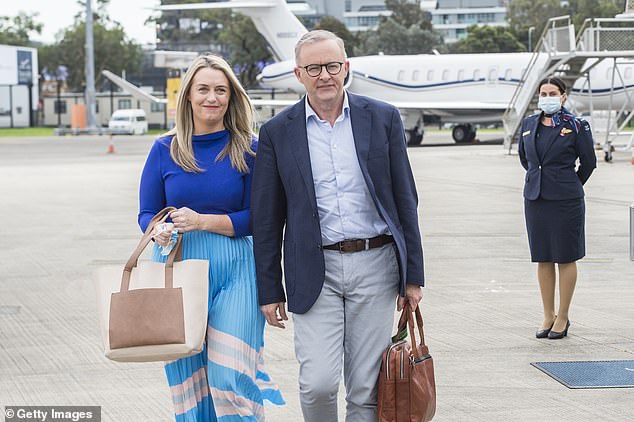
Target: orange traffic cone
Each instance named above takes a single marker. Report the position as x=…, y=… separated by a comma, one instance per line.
x=111, y=146
x=632, y=161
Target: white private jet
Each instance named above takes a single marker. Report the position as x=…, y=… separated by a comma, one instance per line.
x=442, y=88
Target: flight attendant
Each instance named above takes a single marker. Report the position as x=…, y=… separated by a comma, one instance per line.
x=550, y=144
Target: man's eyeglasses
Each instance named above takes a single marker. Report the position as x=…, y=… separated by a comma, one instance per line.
x=314, y=70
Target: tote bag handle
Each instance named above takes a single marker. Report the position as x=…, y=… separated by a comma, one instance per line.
x=175, y=254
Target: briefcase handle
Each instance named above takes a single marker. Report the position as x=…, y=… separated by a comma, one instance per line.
x=175, y=254
x=407, y=317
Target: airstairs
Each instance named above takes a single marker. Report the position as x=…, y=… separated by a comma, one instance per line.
x=572, y=58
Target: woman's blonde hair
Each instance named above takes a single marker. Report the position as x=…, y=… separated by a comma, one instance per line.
x=238, y=119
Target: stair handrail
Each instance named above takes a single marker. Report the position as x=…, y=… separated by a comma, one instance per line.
x=540, y=48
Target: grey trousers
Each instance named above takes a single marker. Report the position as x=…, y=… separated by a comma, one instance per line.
x=349, y=324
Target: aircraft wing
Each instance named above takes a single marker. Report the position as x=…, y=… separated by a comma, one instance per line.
x=133, y=90
x=216, y=5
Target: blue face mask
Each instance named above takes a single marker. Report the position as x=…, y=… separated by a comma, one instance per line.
x=549, y=105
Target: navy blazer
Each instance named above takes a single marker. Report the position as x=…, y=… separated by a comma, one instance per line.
x=283, y=201
x=555, y=177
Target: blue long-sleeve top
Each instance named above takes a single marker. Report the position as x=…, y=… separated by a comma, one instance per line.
x=218, y=189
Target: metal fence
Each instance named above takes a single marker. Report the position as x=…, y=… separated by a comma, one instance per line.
x=606, y=35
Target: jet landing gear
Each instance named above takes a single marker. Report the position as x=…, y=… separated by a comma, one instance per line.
x=415, y=136
x=463, y=133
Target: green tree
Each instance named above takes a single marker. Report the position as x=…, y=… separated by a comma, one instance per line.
x=189, y=30
x=580, y=10
x=248, y=50
x=113, y=51
x=17, y=31
x=408, y=13
x=407, y=31
x=487, y=39
x=334, y=25
x=524, y=14
x=393, y=38
x=99, y=10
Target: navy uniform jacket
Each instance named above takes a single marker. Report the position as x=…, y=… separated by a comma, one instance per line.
x=283, y=201
x=554, y=177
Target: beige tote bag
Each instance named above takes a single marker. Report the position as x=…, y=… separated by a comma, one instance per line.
x=153, y=311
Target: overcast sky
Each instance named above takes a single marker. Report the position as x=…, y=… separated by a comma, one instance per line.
x=57, y=15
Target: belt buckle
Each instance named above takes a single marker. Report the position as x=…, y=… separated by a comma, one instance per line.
x=366, y=245
x=344, y=242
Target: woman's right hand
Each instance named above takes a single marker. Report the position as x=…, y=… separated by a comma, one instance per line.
x=163, y=233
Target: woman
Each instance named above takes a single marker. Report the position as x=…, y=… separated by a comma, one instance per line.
x=203, y=168
x=550, y=143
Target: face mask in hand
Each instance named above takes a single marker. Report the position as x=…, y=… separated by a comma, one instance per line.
x=549, y=105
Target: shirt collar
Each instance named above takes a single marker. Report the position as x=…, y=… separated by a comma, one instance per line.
x=345, y=109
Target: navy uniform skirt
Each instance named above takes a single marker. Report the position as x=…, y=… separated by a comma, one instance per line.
x=555, y=229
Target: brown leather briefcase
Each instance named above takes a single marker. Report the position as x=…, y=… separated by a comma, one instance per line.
x=407, y=389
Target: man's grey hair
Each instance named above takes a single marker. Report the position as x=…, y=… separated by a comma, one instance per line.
x=316, y=36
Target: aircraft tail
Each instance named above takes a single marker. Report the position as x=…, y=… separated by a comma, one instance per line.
x=272, y=18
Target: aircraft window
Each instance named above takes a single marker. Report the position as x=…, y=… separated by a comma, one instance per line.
x=508, y=75
x=461, y=74
x=445, y=74
x=415, y=75
x=476, y=75
x=628, y=73
x=430, y=75
x=493, y=74
x=401, y=75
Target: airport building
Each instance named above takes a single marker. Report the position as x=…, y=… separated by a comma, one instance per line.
x=19, y=89
x=452, y=17
x=57, y=111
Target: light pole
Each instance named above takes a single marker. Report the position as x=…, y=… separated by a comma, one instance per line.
x=530, y=38
x=90, y=70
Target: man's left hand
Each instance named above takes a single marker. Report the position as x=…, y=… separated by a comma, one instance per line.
x=413, y=295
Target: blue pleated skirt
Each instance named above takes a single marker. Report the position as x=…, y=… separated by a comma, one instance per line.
x=227, y=381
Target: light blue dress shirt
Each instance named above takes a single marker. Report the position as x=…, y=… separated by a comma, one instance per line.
x=346, y=209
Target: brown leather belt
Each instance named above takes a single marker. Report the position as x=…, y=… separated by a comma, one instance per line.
x=357, y=245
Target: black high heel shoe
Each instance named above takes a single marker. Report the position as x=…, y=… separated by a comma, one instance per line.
x=554, y=335
x=544, y=333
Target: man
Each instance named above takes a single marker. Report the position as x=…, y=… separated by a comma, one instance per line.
x=332, y=177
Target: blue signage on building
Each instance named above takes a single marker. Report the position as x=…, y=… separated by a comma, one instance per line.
x=25, y=67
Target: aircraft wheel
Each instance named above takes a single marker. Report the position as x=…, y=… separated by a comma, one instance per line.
x=463, y=133
x=414, y=139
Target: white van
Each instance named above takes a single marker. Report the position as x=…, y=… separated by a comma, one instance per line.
x=131, y=121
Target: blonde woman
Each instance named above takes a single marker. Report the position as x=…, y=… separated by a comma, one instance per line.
x=203, y=167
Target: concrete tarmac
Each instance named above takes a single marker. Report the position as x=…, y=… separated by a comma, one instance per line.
x=68, y=207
